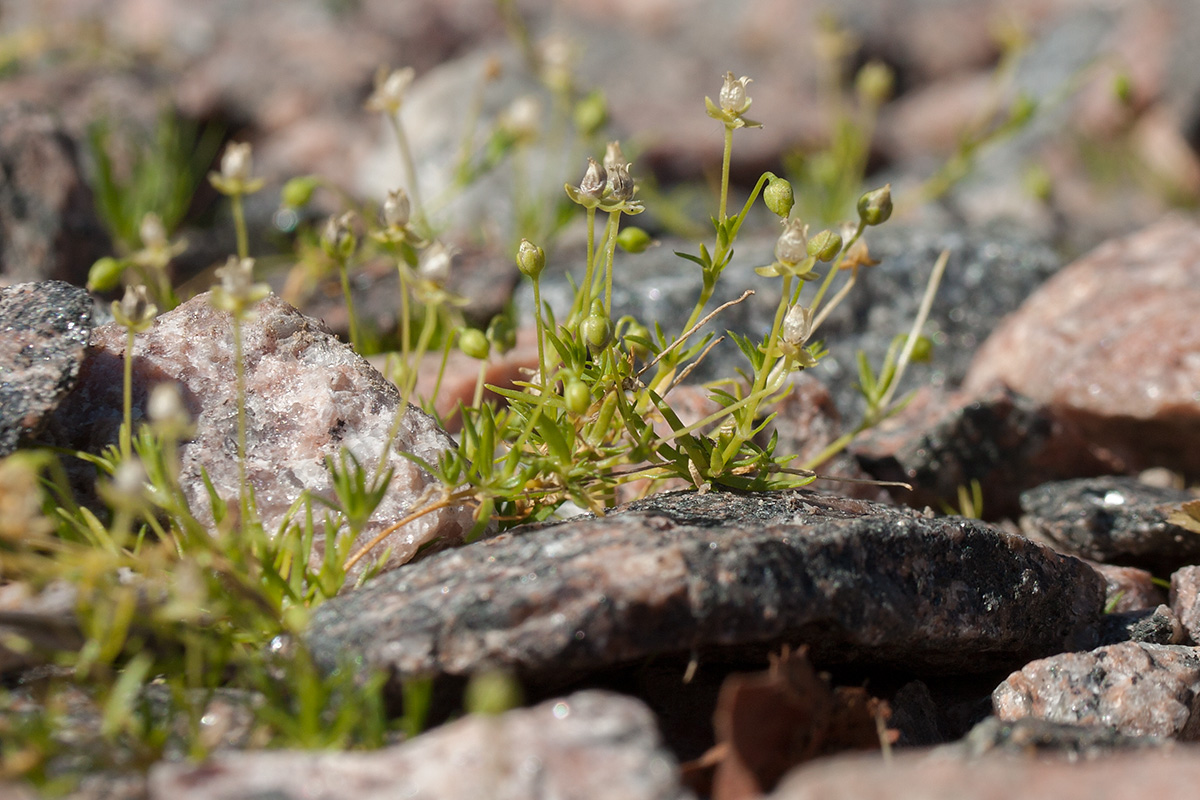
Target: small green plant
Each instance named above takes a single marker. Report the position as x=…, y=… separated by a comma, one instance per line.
x=162, y=597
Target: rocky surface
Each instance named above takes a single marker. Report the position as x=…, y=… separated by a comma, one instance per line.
x=937, y=777
x=684, y=572
x=307, y=397
x=1185, y=599
x=44, y=328
x=940, y=443
x=1116, y=520
x=1111, y=344
x=1134, y=688
x=1129, y=588
x=589, y=744
x=49, y=227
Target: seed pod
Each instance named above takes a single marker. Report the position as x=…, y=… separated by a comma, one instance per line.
x=633, y=239
x=531, y=259
x=875, y=207
x=825, y=245
x=577, y=396
x=778, y=197
x=596, y=330
x=474, y=343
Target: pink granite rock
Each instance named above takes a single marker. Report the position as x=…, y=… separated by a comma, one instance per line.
x=1129, y=588
x=1112, y=343
x=591, y=744
x=1185, y=599
x=307, y=397
x=1133, y=687
x=1174, y=773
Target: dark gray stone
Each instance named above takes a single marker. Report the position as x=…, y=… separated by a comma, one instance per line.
x=730, y=575
x=48, y=223
x=44, y=330
x=1118, y=520
x=1007, y=442
x=1153, y=625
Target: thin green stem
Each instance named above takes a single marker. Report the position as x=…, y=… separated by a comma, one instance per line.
x=725, y=159
x=410, y=174
x=239, y=225
x=583, y=299
x=127, y=426
x=345, y=276
x=610, y=231
x=541, y=328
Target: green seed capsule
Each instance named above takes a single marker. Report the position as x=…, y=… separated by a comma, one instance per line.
x=577, y=396
x=825, y=245
x=875, y=207
x=633, y=239
x=778, y=197
x=596, y=330
x=105, y=274
x=531, y=259
x=474, y=343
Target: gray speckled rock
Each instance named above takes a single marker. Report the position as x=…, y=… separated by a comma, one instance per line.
x=593, y=744
x=44, y=328
x=307, y=396
x=857, y=581
x=1118, y=520
x=1134, y=688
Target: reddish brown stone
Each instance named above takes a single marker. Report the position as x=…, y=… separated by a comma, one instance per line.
x=1185, y=599
x=1134, y=688
x=1174, y=773
x=1129, y=588
x=1111, y=343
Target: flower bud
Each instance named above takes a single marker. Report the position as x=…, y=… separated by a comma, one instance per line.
x=338, y=239
x=474, y=343
x=596, y=330
x=733, y=98
x=531, y=259
x=236, y=162
x=874, y=82
x=577, y=396
x=390, y=88
x=134, y=311
x=621, y=183
x=778, y=197
x=435, y=263
x=825, y=246
x=298, y=191
x=237, y=290
x=633, y=239
x=594, y=180
x=797, y=325
x=105, y=274
x=875, y=207
x=151, y=232
x=792, y=245
x=396, y=208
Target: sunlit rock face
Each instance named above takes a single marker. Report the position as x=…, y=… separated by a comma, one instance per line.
x=308, y=396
